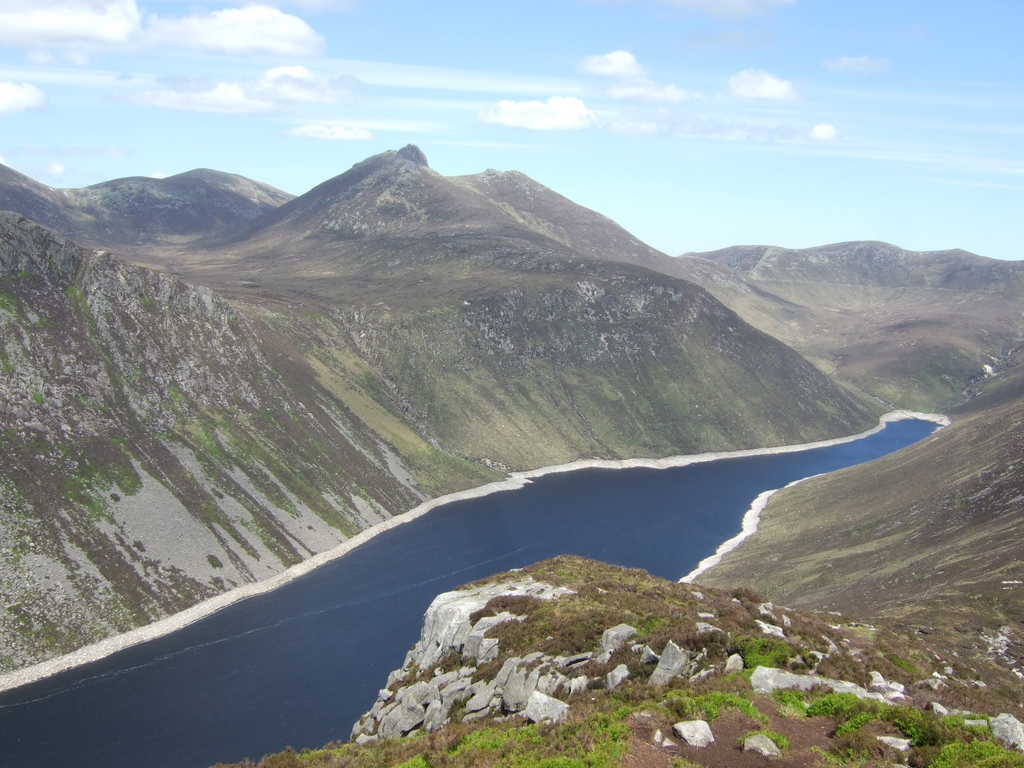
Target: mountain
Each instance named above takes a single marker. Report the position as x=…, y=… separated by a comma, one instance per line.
x=930, y=537
x=141, y=210
x=571, y=662
x=391, y=335
x=508, y=324
x=919, y=330
x=160, y=447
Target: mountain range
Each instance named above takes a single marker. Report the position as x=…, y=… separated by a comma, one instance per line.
x=205, y=380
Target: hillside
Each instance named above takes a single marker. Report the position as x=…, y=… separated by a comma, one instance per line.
x=919, y=330
x=141, y=210
x=575, y=663
x=159, y=448
x=930, y=537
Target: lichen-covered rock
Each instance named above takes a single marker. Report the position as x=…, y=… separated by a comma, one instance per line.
x=762, y=745
x=696, y=733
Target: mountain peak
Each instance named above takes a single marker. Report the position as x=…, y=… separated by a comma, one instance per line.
x=414, y=154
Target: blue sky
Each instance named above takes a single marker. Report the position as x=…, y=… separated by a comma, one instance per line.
x=695, y=124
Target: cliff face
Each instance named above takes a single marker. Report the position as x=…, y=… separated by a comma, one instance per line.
x=159, y=448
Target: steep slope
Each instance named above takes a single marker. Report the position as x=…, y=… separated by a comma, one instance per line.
x=930, y=536
x=141, y=210
x=503, y=335
x=917, y=329
x=159, y=447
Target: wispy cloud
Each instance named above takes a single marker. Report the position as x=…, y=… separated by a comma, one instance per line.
x=630, y=79
x=758, y=84
x=726, y=8
x=20, y=97
x=330, y=132
x=59, y=23
x=278, y=88
x=858, y=64
x=824, y=132
x=559, y=113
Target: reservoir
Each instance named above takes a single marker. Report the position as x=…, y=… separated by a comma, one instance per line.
x=297, y=666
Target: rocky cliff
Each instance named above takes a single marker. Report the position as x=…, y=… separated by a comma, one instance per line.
x=159, y=447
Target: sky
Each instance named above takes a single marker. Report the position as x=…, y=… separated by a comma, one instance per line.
x=694, y=124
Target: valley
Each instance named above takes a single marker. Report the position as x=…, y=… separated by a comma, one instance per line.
x=206, y=381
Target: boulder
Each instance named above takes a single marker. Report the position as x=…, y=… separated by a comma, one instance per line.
x=674, y=661
x=613, y=638
x=900, y=745
x=734, y=664
x=762, y=745
x=770, y=629
x=616, y=676
x=768, y=679
x=1009, y=730
x=542, y=708
x=647, y=656
x=696, y=733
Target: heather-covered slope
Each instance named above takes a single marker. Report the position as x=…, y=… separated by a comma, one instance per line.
x=918, y=329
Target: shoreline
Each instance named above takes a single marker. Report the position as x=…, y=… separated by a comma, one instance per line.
x=108, y=646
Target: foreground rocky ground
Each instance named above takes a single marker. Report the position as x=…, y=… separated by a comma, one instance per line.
x=571, y=662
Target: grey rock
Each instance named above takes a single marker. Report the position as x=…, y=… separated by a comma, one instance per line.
x=647, y=656
x=734, y=664
x=1009, y=730
x=768, y=679
x=616, y=676
x=770, y=629
x=481, y=698
x=696, y=733
x=762, y=745
x=612, y=639
x=674, y=661
x=976, y=723
x=900, y=745
x=703, y=628
x=578, y=685
x=577, y=659
x=542, y=708
x=402, y=719
x=938, y=709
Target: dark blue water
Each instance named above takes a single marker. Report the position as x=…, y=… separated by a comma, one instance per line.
x=299, y=665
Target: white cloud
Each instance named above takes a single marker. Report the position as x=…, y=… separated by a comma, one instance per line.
x=758, y=84
x=731, y=8
x=56, y=171
x=298, y=84
x=614, y=64
x=19, y=98
x=332, y=132
x=632, y=81
x=61, y=23
x=278, y=88
x=642, y=89
x=557, y=113
x=859, y=64
x=158, y=175
x=824, y=132
x=251, y=29
x=221, y=99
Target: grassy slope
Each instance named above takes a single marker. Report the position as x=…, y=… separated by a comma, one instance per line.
x=927, y=536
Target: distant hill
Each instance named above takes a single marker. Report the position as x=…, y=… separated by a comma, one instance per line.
x=916, y=329
x=141, y=210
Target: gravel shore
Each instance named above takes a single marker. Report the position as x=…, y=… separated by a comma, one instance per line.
x=165, y=626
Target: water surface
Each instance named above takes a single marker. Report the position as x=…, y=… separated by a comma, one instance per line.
x=298, y=665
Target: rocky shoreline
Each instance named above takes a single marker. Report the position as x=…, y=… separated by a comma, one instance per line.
x=104, y=648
